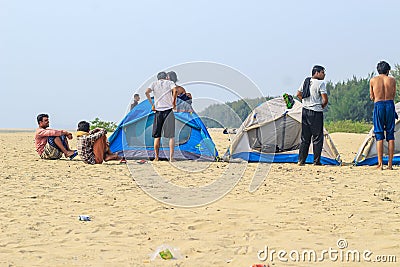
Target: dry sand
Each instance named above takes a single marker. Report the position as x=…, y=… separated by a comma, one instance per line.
x=296, y=208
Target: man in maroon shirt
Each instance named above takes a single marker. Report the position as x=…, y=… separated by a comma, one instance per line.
x=50, y=143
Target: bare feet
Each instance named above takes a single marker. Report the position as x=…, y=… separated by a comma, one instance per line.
x=156, y=159
x=379, y=167
x=111, y=157
x=69, y=153
x=172, y=160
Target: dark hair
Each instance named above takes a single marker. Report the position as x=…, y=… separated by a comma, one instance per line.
x=172, y=76
x=135, y=95
x=40, y=117
x=383, y=67
x=317, y=68
x=161, y=75
x=84, y=126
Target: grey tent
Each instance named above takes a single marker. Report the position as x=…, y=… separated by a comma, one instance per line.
x=272, y=132
x=367, y=154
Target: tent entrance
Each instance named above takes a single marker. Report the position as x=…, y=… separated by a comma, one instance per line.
x=286, y=138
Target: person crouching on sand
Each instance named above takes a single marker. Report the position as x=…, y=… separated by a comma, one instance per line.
x=50, y=143
x=92, y=145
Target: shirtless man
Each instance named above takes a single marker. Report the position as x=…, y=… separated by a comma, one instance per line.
x=382, y=91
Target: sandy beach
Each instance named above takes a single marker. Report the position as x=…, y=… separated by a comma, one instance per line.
x=295, y=209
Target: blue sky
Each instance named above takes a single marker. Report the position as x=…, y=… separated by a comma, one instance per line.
x=78, y=60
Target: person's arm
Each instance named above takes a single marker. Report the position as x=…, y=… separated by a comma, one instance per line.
x=174, y=95
x=299, y=95
x=180, y=90
x=93, y=136
x=371, y=91
x=393, y=86
x=324, y=100
x=148, y=91
x=52, y=132
x=97, y=130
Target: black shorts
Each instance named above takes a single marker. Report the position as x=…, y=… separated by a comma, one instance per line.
x=164, y=122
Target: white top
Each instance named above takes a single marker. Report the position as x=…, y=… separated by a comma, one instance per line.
x=162, y=90
x=314, y=101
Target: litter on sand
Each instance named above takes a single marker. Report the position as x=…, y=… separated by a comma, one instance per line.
x=166, y=252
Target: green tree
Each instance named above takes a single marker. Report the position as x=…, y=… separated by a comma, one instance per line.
x=230, y=114
x=350, y=100
x=109, y=126
x=396, y=74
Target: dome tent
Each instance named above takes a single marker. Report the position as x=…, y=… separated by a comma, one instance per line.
x=272, y=132
x=132, y=138
x=367, y=154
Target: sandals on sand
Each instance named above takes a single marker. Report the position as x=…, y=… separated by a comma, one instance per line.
x=73, y=155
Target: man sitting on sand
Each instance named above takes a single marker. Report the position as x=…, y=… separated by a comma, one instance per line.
x=382, y=92
x=92, y=145
x=50, y=143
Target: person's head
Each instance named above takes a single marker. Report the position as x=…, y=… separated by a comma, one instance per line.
x=172, y=76
x=318, y=72
x=383, y=67
x=162, y=75
x=43, y=120
x=136, y=97
x=84, y=126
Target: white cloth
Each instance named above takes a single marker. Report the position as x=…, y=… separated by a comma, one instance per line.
x=162, y=90
x=314, y=101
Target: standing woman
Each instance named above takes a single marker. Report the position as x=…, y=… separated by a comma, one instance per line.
x=182, y=94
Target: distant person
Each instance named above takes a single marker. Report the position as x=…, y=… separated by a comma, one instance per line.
x=136, y=99
x=314, y=97
x=92, y=145
x=164, y=120
x=382, y=91
x=181, y=92
x=50, y=143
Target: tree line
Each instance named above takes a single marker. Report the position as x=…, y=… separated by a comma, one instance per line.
x=230, y=114
x=348, y=101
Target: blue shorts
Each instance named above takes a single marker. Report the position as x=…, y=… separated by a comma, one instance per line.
x=51, y=142
x=384, y=119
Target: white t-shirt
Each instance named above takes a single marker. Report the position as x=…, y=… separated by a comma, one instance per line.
x=314, y=101
x=162, y=90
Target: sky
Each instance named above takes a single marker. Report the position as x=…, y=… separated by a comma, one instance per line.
x=78, y=60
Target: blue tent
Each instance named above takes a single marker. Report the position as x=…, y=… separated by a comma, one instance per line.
x=133, y=139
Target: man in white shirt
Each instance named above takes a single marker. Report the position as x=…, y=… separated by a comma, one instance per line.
x=314, y=97
x=164, y=120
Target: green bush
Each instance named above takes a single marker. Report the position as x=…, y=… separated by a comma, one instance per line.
x=109, y=126
x=348, y=126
